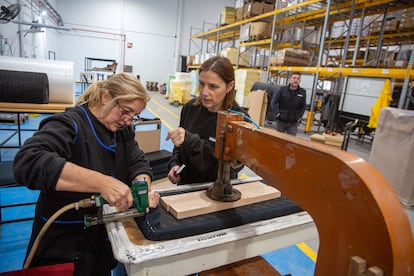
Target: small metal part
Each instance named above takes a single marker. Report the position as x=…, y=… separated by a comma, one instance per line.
x=107, y=218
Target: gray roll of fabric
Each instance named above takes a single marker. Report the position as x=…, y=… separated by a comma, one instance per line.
x=24, y=87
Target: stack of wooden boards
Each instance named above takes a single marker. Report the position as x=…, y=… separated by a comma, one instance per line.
x=334, y=140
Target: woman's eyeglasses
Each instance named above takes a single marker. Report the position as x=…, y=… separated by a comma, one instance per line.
x=125, y=111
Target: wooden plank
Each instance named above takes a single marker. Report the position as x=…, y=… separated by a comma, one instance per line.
x=34, y=108
x=198, y=203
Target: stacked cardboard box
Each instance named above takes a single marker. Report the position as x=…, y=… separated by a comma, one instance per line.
x=390, y=26
x=407, y=19
x=239, y=13
x=255, y=31
x=190, y=60
x=260, y=30
x=245, y=78
x=254, y=8
x=228, y=16
x=245, y=32
x=290, y=56
x=232, y=54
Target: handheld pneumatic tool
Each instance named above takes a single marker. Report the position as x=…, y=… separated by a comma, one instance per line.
x=139, y=190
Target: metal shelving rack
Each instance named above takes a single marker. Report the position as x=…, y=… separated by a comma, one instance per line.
x=322, y=14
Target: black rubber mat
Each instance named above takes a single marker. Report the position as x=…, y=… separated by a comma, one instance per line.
x=24, y=87
x=160, y=225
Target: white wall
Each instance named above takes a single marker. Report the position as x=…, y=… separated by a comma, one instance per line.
x=199, y=14
x=158, y=29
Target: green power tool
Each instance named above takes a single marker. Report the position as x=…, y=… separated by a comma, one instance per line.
x=139, y=190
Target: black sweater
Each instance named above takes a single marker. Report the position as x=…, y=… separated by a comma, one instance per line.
x=197, y=150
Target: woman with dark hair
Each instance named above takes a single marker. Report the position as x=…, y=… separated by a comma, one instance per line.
x=194, y=140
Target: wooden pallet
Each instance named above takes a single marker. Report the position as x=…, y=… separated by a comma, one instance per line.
x=257, y=37
x=12, y=118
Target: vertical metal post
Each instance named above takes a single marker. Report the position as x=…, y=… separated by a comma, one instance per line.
x=271, y=46
x=403, y=102
x=359, y=32
x=316, y=76
x=379, y=46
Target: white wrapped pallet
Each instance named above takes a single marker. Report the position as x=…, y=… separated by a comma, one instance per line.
x=393, y=150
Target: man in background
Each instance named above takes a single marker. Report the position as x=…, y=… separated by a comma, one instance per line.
x=289, y=105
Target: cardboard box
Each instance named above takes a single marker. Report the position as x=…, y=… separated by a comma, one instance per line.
x=252, y=9
x=260, y=29
x=239, y=14
x=393, y=150
x=290, y=56
x=257, y=105
x=245, y=32
x=245, y=78
x=148, y=135
x=228, y=16
x=268, y=7
x=232, y=55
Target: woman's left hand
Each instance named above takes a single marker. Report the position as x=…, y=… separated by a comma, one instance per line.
x=153, y=199
x=177, y=136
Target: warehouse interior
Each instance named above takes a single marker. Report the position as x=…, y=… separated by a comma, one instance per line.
x=356, y=63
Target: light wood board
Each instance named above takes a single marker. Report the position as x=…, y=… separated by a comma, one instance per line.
x=198, y=203
x=34, y=108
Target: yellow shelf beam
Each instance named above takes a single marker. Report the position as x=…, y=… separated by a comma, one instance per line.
x=395, y=37
x=397, y=73
x=232, y=27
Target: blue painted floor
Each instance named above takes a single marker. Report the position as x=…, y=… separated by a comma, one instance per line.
x=14, y=237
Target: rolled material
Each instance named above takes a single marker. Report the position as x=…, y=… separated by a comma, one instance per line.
x=60, y=75
x=23, y=87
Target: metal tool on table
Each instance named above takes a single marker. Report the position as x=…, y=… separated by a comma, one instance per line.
x=139, y=190
x=222, y=189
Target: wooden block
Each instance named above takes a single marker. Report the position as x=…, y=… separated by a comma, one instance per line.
x=198, y=203
x=317, y=138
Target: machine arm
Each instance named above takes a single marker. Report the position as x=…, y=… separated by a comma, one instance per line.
x=356, y=211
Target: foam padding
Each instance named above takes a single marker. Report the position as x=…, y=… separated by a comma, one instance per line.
x=160, y=225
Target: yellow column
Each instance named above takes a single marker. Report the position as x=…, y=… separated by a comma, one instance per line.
x=309, y=121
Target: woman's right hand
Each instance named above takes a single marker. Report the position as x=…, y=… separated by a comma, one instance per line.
x=172, y=176
x=116, y=193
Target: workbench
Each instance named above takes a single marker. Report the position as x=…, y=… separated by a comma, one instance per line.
x=19, y=108
x=197, y=253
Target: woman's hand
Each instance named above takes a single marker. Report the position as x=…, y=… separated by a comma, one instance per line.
x=177, y=136
x=153, y=199
x=173, y=176
x=116, y=193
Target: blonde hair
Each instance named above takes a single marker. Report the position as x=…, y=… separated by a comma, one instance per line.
x=121, y=86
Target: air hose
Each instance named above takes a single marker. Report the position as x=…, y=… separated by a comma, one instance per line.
x=84, y=203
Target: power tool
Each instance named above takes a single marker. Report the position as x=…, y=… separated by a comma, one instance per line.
x=139, y=190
